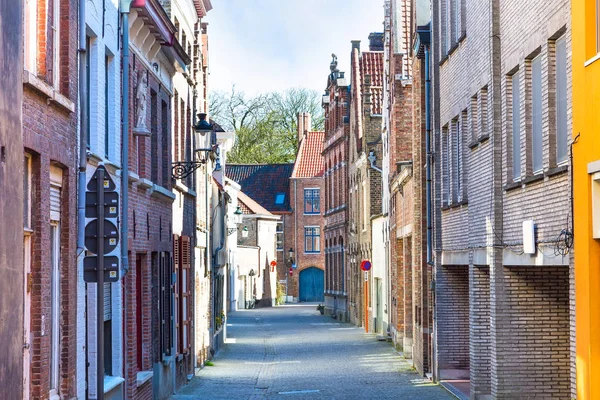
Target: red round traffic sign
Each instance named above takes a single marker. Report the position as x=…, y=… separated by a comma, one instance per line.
x=365, y=265
x=273, y=263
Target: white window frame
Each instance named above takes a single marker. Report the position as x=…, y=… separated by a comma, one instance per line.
x=516, y=125
x=30, y=33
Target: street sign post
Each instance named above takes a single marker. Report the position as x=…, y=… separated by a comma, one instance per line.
x=365, y=265
x=101, y=239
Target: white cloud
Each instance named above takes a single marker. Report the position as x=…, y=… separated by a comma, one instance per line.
x=264, y=45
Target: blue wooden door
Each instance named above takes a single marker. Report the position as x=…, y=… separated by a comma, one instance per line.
x=312, y=284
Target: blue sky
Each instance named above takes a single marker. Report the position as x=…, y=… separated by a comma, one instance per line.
x=266, y=45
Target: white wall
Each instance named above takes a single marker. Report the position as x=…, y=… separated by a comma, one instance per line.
x=104, y=42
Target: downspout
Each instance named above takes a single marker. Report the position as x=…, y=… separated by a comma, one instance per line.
x=429, y=155
x=82, y=157
x=125, y=8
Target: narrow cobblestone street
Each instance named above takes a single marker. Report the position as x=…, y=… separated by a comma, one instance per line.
x=293, y=352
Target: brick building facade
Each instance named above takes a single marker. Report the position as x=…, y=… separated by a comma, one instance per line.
x=150, y=343
x=501, y=125
x=403, y=139
x=336, y=103
x=306, y=282
x=364, y=180
x=50, y=84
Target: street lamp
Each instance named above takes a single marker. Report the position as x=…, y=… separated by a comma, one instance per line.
x=182, y=169
x=237, y=219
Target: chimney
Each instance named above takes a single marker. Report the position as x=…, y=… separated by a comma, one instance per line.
x=304, y=125
x=376, y=41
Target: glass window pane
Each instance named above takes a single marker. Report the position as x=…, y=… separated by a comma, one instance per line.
x=516, y=126
x=536, y=96
x=561, y=100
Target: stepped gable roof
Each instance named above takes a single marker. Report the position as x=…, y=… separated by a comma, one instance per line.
x=371, y=63
x=310, y=163
x=267, y=184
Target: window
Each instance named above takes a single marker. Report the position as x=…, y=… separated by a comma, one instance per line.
x=459, y=158
x=280, y=198
x=27, y=192
x=54, y=317
x=312, y=201
x=449, y=163
x=106, y=106
x=279, y=233
x=516, y=126
x=155, y=164
x=56, y=43
x=562, y=135
x=457, y=16
x=165, y=271
x=312, y=239
x=536, y=104
x=88, y=42
x=31, y=39
x=164, y=118
x=365, y=210
x=448, y=29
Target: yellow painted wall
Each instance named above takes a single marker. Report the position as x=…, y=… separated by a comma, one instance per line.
x=586, y=123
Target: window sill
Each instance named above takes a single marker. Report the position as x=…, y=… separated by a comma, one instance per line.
x=534, y=178
x=452, y=206
x=556, y=171
x=473, y=145
x=484, y=138
x=312, y=252
x=143, y=377
x=52, y=96
x=512, y=186
x=111, y=382
x=315, y=213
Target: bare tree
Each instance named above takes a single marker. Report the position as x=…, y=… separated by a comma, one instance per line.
x=266, y=124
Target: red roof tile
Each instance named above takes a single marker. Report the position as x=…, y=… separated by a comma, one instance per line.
x=309, y=161
x=371, y=63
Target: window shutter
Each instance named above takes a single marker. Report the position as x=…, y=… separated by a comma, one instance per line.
x=185, y=294
x=55, y=189
x=176, y=268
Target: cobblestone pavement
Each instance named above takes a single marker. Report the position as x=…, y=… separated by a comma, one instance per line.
x=292, y=352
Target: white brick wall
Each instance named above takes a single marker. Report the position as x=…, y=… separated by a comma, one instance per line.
x=105, y=41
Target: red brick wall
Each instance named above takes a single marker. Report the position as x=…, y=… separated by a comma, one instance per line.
x=50, y=136
x=150, y=231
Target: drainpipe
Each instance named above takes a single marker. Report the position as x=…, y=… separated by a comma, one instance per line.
x=429, y=154
x=125, y=8
x=82, y=155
